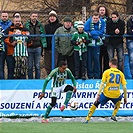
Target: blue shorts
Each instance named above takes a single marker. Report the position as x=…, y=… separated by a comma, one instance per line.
x=103, y=99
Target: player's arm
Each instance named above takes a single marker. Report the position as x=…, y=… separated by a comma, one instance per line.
x=125, y=93
x=45, y=84
x=124, y=88
x=100, y=90
x=104, y=80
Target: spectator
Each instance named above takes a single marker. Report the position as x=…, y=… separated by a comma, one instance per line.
x=63, y=44
x=16, y=14
x=50, y=28
x=20, y=53
x=104, y=58
x=116, y=26
x=80, y=40
x=12, y=44
x=34, y=50
x=95, y=27
x=2, y=53
x=129, y=42
x=4, y=24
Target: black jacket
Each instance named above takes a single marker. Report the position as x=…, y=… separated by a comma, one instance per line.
x=110, y=30
x=130, y=28
x=50, y=28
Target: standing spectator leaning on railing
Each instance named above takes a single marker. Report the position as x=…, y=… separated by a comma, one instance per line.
x=80, y=41
x=50, y=28
x=116, y=27
x=63, y=44
x=104, y=58
x=95, y=27
x=35, y=27
x=13, y=43
x=129, y=42
x=4, y=24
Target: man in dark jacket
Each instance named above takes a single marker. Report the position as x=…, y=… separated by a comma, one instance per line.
x=129, y=42
x=115, y=27
x=50, y=28
x=34, y=50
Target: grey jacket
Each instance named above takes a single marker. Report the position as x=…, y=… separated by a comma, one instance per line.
x=63, y=43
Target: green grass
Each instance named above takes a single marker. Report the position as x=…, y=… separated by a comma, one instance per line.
x=68, y=127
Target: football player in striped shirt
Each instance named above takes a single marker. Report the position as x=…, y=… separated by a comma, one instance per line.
x=58, y=75
x=112, y=77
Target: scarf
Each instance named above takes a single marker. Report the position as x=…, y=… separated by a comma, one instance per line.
x=93, y=41
x=2, y=47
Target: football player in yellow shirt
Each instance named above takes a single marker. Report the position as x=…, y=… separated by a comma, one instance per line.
x=112, y=77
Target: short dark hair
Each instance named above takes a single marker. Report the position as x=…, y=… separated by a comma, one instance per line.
x=113, y=61
x=62, y=63
x=33, y=12
x=95, y=13
x=115, y=13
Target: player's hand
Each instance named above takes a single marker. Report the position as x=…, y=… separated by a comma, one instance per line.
x=97, y=98
x=125, y=101
x=74, y=89
x=41, y=96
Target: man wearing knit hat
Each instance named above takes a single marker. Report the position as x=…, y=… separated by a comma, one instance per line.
x=50, y=28
x=63, y=43
x=80, y=41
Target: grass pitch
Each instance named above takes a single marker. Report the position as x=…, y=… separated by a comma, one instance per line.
x=66, y=127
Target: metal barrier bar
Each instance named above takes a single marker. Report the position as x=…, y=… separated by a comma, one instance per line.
x=63, y=35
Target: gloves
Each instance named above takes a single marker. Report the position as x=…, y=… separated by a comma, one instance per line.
x=41, y=96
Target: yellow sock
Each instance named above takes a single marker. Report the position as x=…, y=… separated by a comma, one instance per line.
x=117, y=106
x=92, y=109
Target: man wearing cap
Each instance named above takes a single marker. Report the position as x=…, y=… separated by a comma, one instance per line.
x=63, y=43
x=50, y=28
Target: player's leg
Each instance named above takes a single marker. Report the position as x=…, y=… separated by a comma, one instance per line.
x=103, y=100
x=92, y=110
x=117, y=102
x=69, y=90
x=49, y=108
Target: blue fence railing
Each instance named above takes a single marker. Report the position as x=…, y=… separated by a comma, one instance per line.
x=63, y=35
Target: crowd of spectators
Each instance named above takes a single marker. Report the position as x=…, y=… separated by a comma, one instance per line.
x=87, y=51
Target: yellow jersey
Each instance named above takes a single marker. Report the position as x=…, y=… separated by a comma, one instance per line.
x=113, y=77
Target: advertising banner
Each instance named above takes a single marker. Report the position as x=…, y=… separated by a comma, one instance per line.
x=20, y=98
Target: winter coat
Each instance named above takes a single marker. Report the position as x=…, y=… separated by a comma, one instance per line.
x=63, y=43
x=110, y=30
x=50, y=28
x=130, y=28
x=37, y=41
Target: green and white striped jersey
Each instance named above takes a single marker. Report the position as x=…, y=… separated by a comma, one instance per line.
x=58, y=78
x=20, y=49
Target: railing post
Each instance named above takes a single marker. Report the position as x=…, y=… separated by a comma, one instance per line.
x=53, y=52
